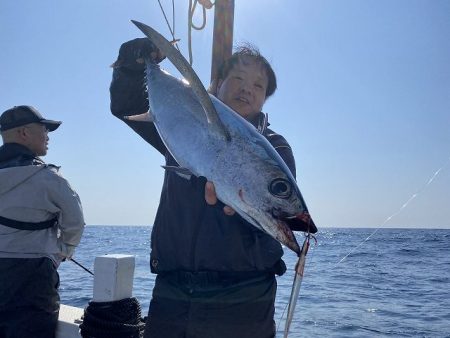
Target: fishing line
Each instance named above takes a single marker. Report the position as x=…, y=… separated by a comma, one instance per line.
x=413, y=196
x=81, y=266
x=205, y=5
x=172, y=30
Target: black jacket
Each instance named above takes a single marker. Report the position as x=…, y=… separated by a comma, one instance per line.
x=188, y=234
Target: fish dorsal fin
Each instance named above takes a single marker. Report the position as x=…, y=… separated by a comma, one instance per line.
x=189, y=74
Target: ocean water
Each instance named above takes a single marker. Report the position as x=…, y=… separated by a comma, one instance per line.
x=394, y=283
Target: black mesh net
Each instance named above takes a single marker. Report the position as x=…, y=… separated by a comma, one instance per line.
x=118, y=319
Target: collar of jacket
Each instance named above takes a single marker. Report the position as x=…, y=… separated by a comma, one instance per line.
x=16, y=155
x=261, y=122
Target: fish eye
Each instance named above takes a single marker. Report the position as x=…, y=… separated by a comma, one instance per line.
x=280, y=188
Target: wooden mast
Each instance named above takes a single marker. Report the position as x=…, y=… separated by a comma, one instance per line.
x=223, y=34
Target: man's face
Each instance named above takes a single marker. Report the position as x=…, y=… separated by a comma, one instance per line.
x=36, y=138
x=244, y=89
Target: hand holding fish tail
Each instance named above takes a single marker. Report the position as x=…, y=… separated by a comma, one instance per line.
x=133, y=53
x=211, y=198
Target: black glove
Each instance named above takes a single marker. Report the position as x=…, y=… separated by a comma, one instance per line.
x=132, y=54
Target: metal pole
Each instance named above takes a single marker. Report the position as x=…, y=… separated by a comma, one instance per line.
x=223, y=34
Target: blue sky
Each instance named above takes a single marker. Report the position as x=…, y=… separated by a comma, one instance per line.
x=363, y=97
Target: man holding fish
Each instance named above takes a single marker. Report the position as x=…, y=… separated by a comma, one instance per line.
x=215, y=270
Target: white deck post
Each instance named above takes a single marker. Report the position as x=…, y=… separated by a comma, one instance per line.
x=113, y=277
x=113, y=280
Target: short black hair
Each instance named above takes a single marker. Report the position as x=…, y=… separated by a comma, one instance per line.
x=248, y=50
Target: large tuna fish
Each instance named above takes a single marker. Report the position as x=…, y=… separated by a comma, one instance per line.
x=207, y=138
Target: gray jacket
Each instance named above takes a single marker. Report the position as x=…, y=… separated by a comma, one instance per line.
x=36, y=193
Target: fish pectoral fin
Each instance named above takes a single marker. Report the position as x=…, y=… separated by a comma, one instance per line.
x=182, y=172
x=146, y=117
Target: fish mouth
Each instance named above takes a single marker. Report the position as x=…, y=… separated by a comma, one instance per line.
x=297, y=222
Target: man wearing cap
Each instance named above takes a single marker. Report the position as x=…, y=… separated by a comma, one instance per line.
x=41, y=223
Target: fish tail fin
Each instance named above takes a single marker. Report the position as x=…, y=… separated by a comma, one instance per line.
x=186, y=70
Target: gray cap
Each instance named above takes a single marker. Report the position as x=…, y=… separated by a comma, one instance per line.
x=21, y=115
